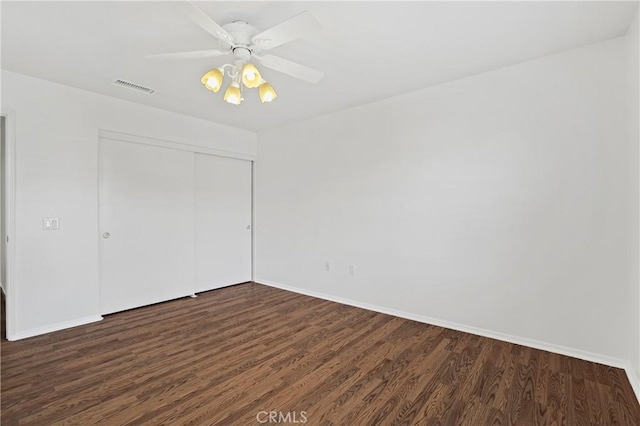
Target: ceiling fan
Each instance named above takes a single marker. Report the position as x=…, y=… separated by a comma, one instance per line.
x=246, y=43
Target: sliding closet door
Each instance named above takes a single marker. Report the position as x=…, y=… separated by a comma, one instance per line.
x=223, y=221
x=146, y=225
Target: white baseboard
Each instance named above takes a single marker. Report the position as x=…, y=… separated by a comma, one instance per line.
x=53, y=327
x=550, y=347
x=632, y=375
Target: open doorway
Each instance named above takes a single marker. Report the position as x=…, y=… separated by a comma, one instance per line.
x=7, y=150
x=3, y=227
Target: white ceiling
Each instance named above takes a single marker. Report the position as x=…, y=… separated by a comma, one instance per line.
x=368, y=50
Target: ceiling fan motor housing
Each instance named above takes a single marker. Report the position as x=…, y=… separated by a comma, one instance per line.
x=241, y=32
x=242, y=53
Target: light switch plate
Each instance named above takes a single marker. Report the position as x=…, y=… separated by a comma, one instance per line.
x=50, y=223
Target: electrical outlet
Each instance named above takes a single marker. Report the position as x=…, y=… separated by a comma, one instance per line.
x=327, y=265
x=352, y=269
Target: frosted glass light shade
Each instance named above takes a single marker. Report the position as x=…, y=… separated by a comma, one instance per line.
x=267, y=92
x=251, y=76
x=233, y=95
x=212, y=80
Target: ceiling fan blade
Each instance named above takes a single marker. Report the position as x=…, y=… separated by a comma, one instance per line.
x=205, y=22
x=189, y=55
x=291, y=68
x=291, y=29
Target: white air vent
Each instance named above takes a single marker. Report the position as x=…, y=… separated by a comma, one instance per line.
x=133, y=86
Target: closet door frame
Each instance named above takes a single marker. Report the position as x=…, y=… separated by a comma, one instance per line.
x=162, y=143
x=182, y=146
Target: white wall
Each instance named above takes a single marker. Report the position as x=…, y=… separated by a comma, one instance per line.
x=633, y=48
x=56, y=272
x=497, y=202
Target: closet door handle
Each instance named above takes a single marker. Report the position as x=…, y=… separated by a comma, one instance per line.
x=106, y=235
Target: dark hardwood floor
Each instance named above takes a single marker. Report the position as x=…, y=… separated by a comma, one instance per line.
x=233, y=353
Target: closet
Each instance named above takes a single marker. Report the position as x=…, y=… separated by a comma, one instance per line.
x=172, y=222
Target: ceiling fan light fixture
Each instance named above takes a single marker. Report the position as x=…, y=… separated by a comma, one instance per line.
x=267, y=92
x=246, y=43
x=233, y=94
x=212, y=80
x=251, y=76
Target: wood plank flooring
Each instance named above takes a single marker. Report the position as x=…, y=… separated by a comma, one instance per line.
x=230, y=354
